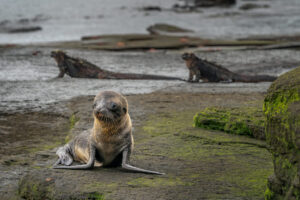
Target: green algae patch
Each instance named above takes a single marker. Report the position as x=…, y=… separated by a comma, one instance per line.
x=44, y=147
x=269, y=195
x=44, y=186
x=276, y=107
x=281, y=109
x=247, y=181
x=72, y=121
x=176, y=133
x=28, y=189
x=241, y=121
x=157, y=125
x=95, y=196
x=100, y=185
x=157, y=182
x=230, y=166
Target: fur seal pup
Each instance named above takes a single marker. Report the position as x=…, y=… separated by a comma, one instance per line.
x=108, y=143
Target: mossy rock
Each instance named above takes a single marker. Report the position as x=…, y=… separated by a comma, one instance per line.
x=241, y=121
x=282, y=113
x=47, y=185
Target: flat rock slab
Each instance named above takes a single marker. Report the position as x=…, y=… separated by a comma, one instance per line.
x=126, y=42
x=199, y=164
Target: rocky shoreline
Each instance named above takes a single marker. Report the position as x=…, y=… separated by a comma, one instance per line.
x=164, y=139
x=194, y=159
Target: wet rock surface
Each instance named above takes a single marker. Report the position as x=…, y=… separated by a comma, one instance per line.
x=21, y=29
x=194, y=159
x=170, y=37
x=282, y=108
x=23, y=25
x=160, y=29
x=210, y=3
x=250, y=6
x=240, y=121
x=193, y=6
x=282, y=18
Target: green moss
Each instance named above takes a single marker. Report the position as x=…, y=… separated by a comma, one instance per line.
x=95, y=196
x=100, y=185
x=281, y=109
x=286, y=164
x=276, y=107
x=31, y=191
x=43, y=147
x=252, y=182
x=34, y=188
x=269, y=195
x=285, y=168
x=157, y=182
x=279, y=102
x=241, y=121
x=296, y=194
x=282, y=94
x=244, y=166
x=189, y=142
x=73, y=119
x=167, y=123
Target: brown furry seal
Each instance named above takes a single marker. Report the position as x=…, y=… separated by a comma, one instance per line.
x=109, y=142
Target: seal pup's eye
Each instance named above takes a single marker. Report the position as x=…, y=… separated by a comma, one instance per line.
x=125, y=110
x=113, y=106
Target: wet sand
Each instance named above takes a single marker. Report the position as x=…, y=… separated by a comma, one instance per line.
x=61, y=21
x=29, y=83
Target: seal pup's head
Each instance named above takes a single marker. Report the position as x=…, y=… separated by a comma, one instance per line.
x=110, y=107
x=188, y=56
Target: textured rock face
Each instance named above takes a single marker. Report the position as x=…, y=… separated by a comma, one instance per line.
x=209, y=3
x=240, y=121
x=282, y=111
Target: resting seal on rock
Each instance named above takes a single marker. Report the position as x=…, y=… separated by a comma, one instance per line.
x=108, y=143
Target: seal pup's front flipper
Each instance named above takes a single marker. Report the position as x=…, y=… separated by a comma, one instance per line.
x=129, y=167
